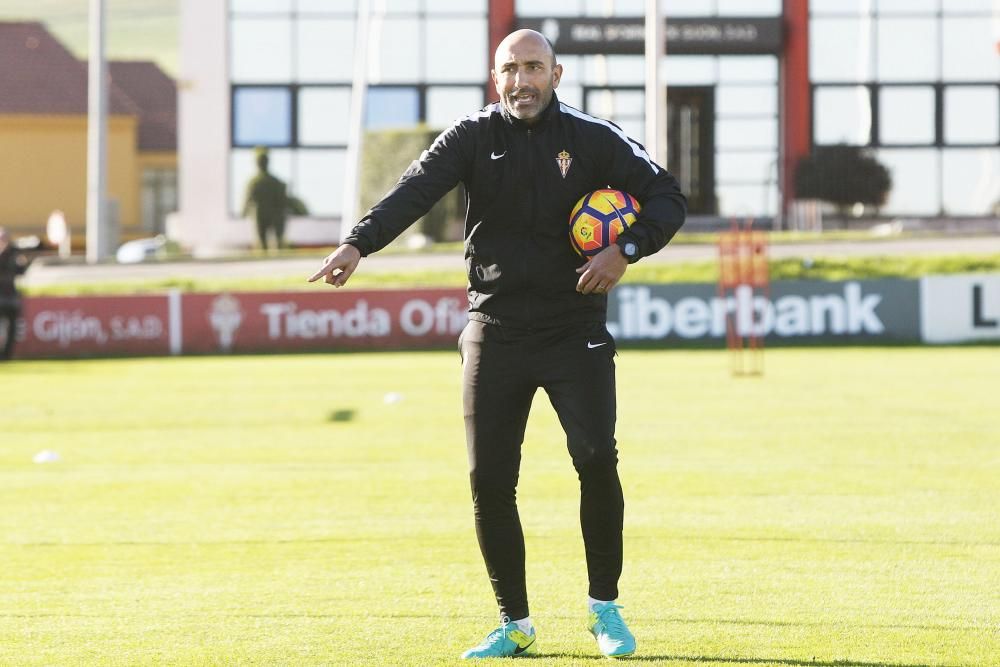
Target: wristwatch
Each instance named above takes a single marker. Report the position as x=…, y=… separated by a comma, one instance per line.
x=629, y=250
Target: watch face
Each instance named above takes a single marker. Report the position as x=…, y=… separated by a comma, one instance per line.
x=630, y=249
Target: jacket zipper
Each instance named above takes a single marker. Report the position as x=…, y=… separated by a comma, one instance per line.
x=531, y=218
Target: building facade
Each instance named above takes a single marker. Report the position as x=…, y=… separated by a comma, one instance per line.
x=43, y=138
x=752, y=87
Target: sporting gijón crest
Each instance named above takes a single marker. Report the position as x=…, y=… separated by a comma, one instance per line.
x=563, y=160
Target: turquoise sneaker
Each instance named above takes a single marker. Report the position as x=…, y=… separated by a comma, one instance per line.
x=507, y=641
x=608, y=627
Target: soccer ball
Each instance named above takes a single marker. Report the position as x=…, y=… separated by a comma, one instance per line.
x=598, y=219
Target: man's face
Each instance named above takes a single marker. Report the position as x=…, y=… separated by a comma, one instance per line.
x=525, y=76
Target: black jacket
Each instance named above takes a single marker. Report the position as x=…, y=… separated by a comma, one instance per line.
x=13, y=263
x=520, y=264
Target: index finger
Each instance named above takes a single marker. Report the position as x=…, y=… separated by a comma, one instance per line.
x=322, y=272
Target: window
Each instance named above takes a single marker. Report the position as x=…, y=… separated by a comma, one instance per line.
x=243, y=167
x=629, y=103
x=747, y=100
x=745, y=167
x=324, y=6
x=396, y=56
x=447, y=104
x=323, y=116
x=981, y=6
x=625, y=69
x=697, y=8
x=391, y=108
x=291, y=66
x=456, y=6
x=748, y=69
x=261, y=6
x=906, y=6
x=840, y=49
x=970, y=180
x=456, y=49
x=915, y=189
x=739, y=133
x=971, y=115
x=260, y=50
x=572, y=69
x=746, y=200
x=749, y=7
x=549, y=7
x=571, y=94
x=928, y=70
x=907, y=49
x=842, y=115
x=619, y=70
x=325, y=50
x=159, y=197
x=319, y=181
x=600, y=102
x=826, y=7
x=619, y=8
x=262, y=116
x=969, y=52
x=906, y=115
x=689, y=70
x=397, y=6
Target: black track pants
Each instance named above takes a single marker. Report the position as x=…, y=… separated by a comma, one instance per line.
x=502, y=368
x=10, y=313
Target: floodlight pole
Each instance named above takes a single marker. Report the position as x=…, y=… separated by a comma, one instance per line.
x=656, y=93
x=356, y=121
x=97, y=132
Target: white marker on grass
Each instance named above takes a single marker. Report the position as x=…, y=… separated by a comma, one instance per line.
x=46, y=456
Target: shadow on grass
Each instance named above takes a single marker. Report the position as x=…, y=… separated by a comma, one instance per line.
x=816, y=624
x=341, y=416
x=815, y=540
x=712, y=659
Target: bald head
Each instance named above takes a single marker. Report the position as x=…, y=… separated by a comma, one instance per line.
x=521, y=39
x=525, y=73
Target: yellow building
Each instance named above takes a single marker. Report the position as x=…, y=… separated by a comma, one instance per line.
x=43, y=138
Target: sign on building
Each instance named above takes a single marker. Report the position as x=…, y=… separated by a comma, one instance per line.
x=684, y=36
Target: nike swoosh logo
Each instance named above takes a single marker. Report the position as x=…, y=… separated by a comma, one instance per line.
x=494, y=156
x=591, y=346
x=521, y=649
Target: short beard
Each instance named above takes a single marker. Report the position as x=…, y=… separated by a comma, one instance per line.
x=542, y=102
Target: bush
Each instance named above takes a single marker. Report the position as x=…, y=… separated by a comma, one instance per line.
x=387, y=154
x=844, y=176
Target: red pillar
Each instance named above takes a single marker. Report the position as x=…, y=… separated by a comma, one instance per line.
x=796, y=100
x=501, y=21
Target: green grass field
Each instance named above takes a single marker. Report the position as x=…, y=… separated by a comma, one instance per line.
x=274, y=510
x=820, y=268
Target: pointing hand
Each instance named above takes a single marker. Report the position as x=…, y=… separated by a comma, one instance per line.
x=338, y=265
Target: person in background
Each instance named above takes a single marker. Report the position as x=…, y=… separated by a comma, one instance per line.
x=13, y=263
x=267, y=198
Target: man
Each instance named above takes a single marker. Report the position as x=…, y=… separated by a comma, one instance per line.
x=12, y=264
x=267, y=198
x=537, y=317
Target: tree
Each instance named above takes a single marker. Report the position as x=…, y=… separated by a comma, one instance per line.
x=844, y=176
